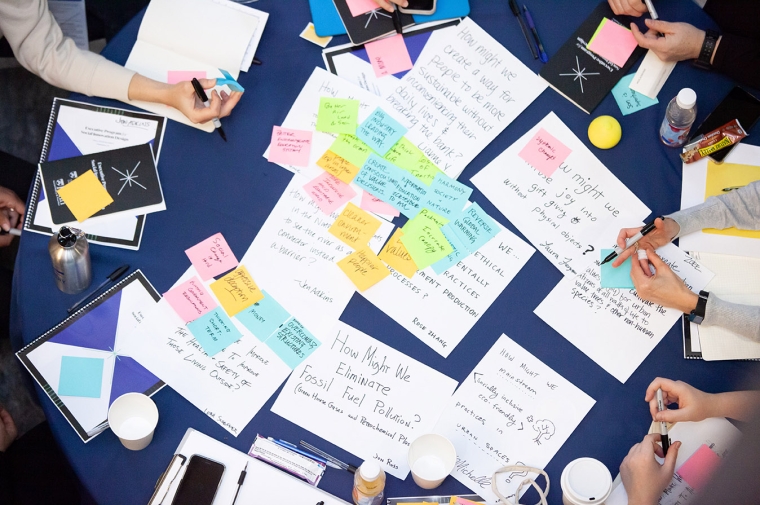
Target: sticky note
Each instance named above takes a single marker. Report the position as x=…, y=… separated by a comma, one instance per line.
x=458, y=500
x=85, y=195
x=619, y=277
x=310, y=34
x=380, y=131
x=291, y=147
x=407, y=156
x=432, y=217
x=447, y=196
x=613, y=42
x=80, y=377
x=389, y=55
x=229, y=81
x=474, y=227
x=338, y=166
x=354, y=226
x=337, y=115
x=212, y=257
x=379, y=177
x=214, y=331
x=364, y=268
x=351, y=148
x=263, y=317
x=236, y=290
x=190, y=300
x=374, y=204
x=698, y=469
x=408, y=196
x=458, y=254
x=544, y=152
x=293, y=343
x=395, y=254
x=425, y=242
x=328, y=192
x=359, y=7
x=629, y=100
x=175, y=76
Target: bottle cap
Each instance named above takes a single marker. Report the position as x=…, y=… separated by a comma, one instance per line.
x=66, y=237
x=369, y=470
x=686, y=98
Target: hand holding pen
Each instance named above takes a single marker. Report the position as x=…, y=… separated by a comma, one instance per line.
x=664, y=230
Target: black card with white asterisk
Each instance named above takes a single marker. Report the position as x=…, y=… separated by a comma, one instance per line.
x=369, y=26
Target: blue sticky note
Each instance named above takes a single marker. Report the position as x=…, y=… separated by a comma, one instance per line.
x=264, y=317
x=80, y=377
x=447, y=196
x=408, y=196
x=378, y=177
x=460, y=251
x=293, y=343
x=229, y=81
x=619, y=277
x=380, y=131
x=629, y=100
x=474, y=227
x=214, y=331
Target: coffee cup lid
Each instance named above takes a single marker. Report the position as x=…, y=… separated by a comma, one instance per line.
x=586, y=481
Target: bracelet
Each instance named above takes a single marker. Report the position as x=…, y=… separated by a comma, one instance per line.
x=708, y=47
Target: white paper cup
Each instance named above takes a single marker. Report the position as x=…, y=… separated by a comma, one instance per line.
x=431, y=458
x=585, y=481
x=133, y=418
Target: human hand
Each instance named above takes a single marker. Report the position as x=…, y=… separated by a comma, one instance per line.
x=11, y=211
x=680, y=41
x=8, y=431
x=386, y=4
x=628, y=7
x=183, y=98
x=663, y=287
x=693, y=404
x=665, y=231
x=643, y=477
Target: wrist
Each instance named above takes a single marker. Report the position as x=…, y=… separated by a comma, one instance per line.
x=688, y=301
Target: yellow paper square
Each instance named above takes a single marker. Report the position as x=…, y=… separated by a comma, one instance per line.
x=724, y=176
x=236, y=291
x=364, y=268
x=85, y=195
x=337, y=166
x=395, y=254
x=354, y=226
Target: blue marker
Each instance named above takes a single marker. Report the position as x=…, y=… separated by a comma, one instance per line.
x=542, y=54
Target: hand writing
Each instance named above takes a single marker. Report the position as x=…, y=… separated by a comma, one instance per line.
x=693, y=404
x=665, y=231
x=183, y=97
x=680, y=41
x=628, y=7
x=664, y=287
x=643, y=477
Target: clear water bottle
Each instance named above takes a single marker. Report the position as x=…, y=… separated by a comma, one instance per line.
x=70, y=254
x=679, y=116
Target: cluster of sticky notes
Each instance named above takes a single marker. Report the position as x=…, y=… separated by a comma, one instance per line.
x=328, y=192
x=407, y=156
x=619, y=277
x=700, y=466
x=212, y=257
x=425, y=241
x=214, y=331
x=374, y=204
x=290, y=147
x=80, y=377
x=397, y=256
x=85, y=196
x=389, y=55
x=629, y=100
x=338, y=166
x=350, y=148
x=236, y=290
x=337, y=115
x=292, y=342
x=613, y=42
x=263, y=317
x=190, y=300
x=447, y=196
x=354, y=226
x=544, y=152
x=380, y=131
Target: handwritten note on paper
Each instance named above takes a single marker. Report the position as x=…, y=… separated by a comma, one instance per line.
x=406, y=156
x=395, y=254
x=354, y=226
x=214, y=331
x=190, y=300
x=212, y=257
x=614, y=327
x=380, y=131
x=613, y=42
x=568, y=214
x=365, y=397
x=429, y=215
x=337, y=115
x=351, y=148
x=544, y=153
x=474, y=227
x=329, y=192
x=425, y=242
x=293, y=343
x=619, y=277
x=374, y=204
x=447, y=196
x=263, y=317
x=85, y=195
x=379, y=177
x=359, y=7
x=236, y=290
x=512, y=409
x=629, y=100
x=175, y=76
x=441, y=309
x=338, y=167
x=389, y=55
x=364, y=268
x=408, y=196
x=480, y=86
x=291, y=147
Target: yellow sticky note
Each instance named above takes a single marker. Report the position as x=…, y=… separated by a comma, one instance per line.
x=236, y=291
x=310, y=34
x=85, y=195
x=364, y=268
x=341, y=168
x=354, y=226
x=395, y=254
x=725, y=176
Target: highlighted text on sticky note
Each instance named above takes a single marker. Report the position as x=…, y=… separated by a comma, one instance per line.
x=293, y=343
x=395, y=254
x=380, y=131
x=290, y=147
x=190, y=300
x=337, y=115
x=619, y=277
x=354, y=226
x=544, y=152
x=212, y=257
x=389, y=55
x=364, y=268
x=236, y=290
x=263, y=317
x=700, y=466
x=425, y=242
x=214, y=331
x=338, y=166
x=80, y=377
x=328, y=192
x=613, y=42
x=85, y=195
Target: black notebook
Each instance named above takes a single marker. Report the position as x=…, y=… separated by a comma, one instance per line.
x=369, y=26
x=579, y=74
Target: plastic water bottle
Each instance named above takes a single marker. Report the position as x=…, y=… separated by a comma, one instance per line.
x=369, y=484
x=679, y=116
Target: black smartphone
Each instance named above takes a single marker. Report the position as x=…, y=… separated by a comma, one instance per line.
x=419, y=7
x=200, y=482
x=738, y=104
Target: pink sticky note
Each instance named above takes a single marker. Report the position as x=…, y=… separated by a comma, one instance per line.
x=544, y=152
x=463, y=501
x=175, y=76
x=329, y=192
x=291, y=147
x=374, y=204
x=190, y=300
x=389, y=55
x=212, y=257
x=698, y=469
x=359, y=7
x=614, y=43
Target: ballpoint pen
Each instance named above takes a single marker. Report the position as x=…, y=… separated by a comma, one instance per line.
x=397, y=20
x=111, y=278
x=241, y=479
x=649, y=227
x=663, y=425
x=516, y=12
x=542, y=54
x=203, y=98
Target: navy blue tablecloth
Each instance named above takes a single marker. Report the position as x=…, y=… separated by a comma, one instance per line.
x=211, y=186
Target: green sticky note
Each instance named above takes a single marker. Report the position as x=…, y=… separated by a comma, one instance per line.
x=350, y=148
x=337, y=115
x=80, y=377
x=619, y=277
x=406, y=156
x=431, y=216
x=598, y=29
x=425, y=242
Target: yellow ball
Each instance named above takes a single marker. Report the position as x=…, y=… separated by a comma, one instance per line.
x=605, y=132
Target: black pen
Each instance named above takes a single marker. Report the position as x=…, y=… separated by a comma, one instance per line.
x=203, y=98
x=397, y=20
x=111, y=278
x=516, y=12
x=542, y=54
x=256, y=61
x=663, y=425
x=241, y=479
x=649, y=227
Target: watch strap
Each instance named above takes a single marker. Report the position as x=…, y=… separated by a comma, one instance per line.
x=708, y=47
x=698, y=314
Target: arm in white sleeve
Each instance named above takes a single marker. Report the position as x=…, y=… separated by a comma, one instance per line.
x=739, y=208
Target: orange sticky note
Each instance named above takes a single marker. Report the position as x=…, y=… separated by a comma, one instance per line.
x=85, y=195
x=364, y=268
x=339, y=167
x=395, y=254
x=236, y=291
x=354, y=226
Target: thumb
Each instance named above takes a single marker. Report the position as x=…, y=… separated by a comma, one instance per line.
x=670, y=458
x=207, y=83
x=657, y=25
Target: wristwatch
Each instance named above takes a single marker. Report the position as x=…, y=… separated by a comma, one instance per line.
x=698, y=314
x=708, y=47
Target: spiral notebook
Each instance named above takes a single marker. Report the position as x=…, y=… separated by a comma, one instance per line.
x=78, y=362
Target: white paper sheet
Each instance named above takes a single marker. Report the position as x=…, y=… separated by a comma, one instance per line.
x=652, y=75
x=365, y=397
x=565, y=216
x=614, y=327
x=511, y=410
x=464, y=89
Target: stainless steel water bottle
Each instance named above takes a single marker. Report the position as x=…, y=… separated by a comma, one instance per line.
x=70, y=253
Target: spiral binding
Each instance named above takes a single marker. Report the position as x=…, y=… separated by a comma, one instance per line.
x=43, y=158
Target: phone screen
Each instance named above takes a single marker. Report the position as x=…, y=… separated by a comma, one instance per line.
x=200, y=482
x=419, y=7
x=738, y=104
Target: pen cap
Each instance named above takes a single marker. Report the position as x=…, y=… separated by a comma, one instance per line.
x=585, y=481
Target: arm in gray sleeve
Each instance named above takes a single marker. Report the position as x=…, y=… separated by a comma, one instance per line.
x=741, y=319
x=739, y=208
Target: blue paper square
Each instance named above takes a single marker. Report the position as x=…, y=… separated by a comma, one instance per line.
x=460, y=251
x=80, y=377
x=408, y=196
x=619, y=277
x=380, y=131
x=474, y=227
x=447, y=197
x=214, y=331
x=264, y=317
x=378, y=177
x=629, y=100
x=293, y=343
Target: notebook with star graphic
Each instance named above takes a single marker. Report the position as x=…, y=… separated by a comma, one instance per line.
x=581, y=75
x=371, y=25
x=79, y=364
x=128, y=174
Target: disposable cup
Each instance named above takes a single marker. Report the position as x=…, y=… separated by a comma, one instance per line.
x=133, y=418
x=431, y=458
x=585, y=481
